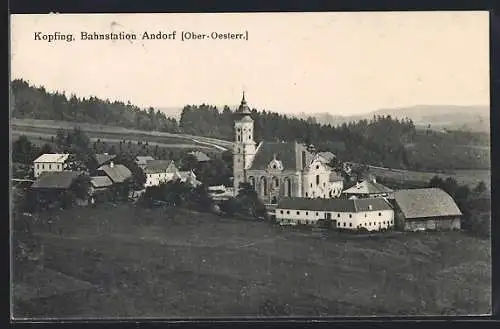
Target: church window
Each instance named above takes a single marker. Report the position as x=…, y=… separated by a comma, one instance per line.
x=317, y=179
x=317, y=167
x=276, y=182
x=239, y=129
x=239, y=138
x=303, y=159
x=307, y=195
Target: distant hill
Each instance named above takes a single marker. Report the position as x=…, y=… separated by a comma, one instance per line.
x=467, y=118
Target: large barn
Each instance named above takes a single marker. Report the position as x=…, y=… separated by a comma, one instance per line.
x=426, y=209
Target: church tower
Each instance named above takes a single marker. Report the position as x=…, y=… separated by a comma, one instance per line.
x=244, y=144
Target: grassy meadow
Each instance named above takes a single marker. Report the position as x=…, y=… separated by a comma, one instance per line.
x=128, y=261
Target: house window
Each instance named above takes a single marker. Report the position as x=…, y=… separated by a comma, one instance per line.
x=50, y=167
x=350, y=215
x=380, y=214
x=317, y=214
x=317, y=167
x=365, y=215
x=317, y=179
x=338, y=215
x=350, y=224
x=43, y=166
x=288, y=212
x=281, y=211
x=38, y=166
x=344, y=224
x=311, y=185
x=307, y=195
x=298, y=212
x=391, y=221
x=307, y=213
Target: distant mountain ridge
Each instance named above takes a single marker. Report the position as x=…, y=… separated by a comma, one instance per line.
x=469, y=118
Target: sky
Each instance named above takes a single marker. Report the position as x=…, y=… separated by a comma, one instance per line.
x=341, y=63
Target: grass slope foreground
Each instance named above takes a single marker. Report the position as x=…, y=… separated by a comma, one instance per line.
x=128, y=261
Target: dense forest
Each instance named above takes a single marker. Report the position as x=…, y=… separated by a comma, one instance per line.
x=381, y=141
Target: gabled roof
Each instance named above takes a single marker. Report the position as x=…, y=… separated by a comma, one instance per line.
x=103, y=158
x=52, y=157
x=100, y=181
x=326, y=157
x=118, y=173
x=426, y=202
x=142, y=160
x=159, y=166
x=200, y=156
x=368, y=187
x=288, y=153
x=336, y=205
x=55, y=180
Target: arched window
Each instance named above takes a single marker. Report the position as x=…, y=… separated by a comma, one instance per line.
x=276, y=182
x=303, y=159
x=317, y=179
x=263, y=186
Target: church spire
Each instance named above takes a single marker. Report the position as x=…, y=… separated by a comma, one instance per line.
x=243, y=108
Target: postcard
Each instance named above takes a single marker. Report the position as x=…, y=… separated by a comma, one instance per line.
x=250, y=165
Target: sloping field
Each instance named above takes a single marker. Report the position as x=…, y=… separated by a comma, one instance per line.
x=113, y=132
x=162, y=263
x=466, y=177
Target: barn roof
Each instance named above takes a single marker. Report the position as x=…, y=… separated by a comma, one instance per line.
x=426, y=202
x=368, y=187
x=52, y=157
x=118, y=173
x=55, y=180
x=103, y=158
x=100, y=181
x=289, y=154
x=337, y=205
x=160, y=166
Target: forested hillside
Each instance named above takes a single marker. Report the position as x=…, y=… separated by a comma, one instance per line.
x=37, y=103
x=380, y=141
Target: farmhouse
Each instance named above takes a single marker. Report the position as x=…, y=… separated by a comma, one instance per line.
x=50, y=162
x=372, y=214
x=103, y=158
x=117, y=173
x=143, y=160
x=427, y=208
x=99, y=187
x=277, y=170
x=56, y=187
x=368, y=188
x=159, y=171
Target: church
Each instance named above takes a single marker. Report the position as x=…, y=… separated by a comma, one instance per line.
x=279, y=169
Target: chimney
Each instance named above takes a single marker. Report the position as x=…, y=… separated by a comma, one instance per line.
x=111, y=164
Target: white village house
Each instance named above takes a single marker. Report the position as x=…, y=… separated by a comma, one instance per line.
x=163, y=171
x=373, y=214
x=50, y=162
